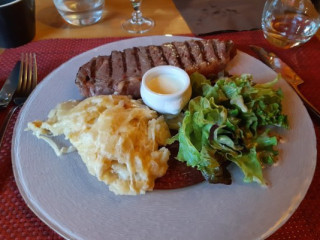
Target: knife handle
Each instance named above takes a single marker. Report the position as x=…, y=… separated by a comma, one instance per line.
x=308, y=104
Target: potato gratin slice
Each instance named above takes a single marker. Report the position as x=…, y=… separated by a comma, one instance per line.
x=117, y=138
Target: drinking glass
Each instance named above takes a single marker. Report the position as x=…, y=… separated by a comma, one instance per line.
x=289, y=23
x=80, y=12
x=137, y=23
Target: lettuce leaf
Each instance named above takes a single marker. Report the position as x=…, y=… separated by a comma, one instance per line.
x=228, y=122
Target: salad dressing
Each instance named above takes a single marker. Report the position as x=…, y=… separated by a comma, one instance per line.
x=166, y=89
x=165, y=84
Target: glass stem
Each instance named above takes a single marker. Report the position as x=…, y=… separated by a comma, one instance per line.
x=136, y=15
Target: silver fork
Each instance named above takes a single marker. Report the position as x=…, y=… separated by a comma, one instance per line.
x=28, y=79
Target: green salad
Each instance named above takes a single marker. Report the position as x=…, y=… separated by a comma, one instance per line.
x=229, y=122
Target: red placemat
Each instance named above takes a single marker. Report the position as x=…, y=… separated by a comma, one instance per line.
x=17, y=221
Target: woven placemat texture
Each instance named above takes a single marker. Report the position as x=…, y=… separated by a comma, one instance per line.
x=17, y=221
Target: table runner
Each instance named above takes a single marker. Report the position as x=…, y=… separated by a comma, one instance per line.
x=17, y=221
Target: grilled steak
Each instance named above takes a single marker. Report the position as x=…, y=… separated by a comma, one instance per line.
x=122, y=71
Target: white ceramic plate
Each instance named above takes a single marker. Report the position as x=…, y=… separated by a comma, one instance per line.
x=77, y=206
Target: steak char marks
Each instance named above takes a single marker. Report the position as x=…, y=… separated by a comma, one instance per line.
x=122, y=71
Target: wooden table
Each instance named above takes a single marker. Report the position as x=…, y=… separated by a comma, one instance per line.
x=49, y=24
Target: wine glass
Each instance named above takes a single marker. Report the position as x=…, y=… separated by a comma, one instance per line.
x=137, y=23
x=289, y=23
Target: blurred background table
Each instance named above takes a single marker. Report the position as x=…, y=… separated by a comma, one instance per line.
x=168, y=20
x=49, y=24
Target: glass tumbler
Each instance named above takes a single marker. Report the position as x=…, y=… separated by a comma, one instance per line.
x=289, y=23
x=80, y=12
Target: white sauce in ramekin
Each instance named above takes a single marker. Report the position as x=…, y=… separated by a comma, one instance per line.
x=166, y=89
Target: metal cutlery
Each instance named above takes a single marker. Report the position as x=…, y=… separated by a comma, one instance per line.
x=27, y=81
x=274, y=62
x=10, y=86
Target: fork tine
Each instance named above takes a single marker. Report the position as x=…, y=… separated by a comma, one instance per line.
x=27, y=75
x=34, y=72
x=30, y=75
x=21, y=73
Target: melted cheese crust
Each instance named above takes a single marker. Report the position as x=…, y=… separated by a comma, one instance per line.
x=117, y=138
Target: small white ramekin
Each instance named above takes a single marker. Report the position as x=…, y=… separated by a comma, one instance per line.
x=168, y=104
